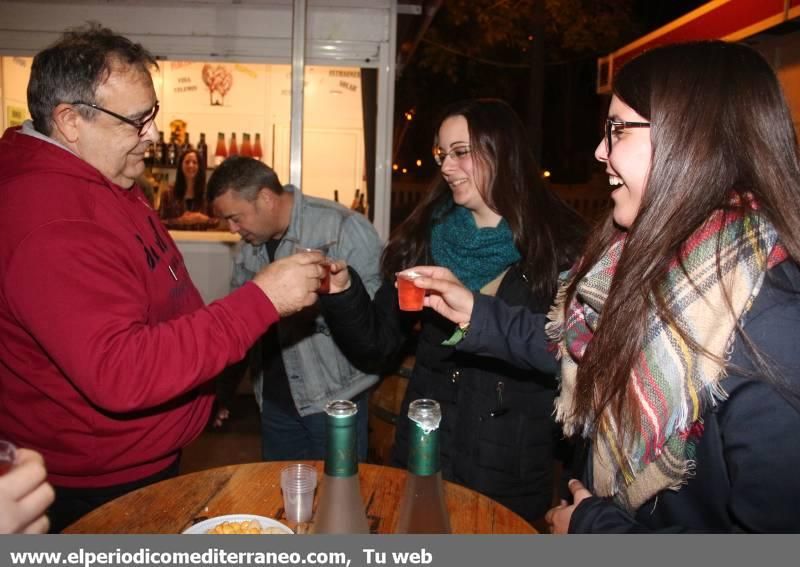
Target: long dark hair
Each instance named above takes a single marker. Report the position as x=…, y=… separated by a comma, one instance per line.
x=547, y=232
x=719, y=126
x=199, y=183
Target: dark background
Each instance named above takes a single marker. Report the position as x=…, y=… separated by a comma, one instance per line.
x=488, y=48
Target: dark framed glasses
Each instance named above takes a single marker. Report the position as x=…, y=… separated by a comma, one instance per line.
x=140, y=125
x=616, y=127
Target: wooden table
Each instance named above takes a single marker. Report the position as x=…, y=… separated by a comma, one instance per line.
x=171, y=506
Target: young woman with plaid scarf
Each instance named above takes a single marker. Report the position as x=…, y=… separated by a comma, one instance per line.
x=678, y=330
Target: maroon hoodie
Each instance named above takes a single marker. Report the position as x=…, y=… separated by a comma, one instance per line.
x=106, y=349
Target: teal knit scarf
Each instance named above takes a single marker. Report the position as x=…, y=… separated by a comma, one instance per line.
x=475, y=255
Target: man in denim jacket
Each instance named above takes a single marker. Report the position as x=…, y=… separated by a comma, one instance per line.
x=296, y=367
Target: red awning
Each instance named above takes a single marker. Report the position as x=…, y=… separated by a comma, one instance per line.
x=730, y=20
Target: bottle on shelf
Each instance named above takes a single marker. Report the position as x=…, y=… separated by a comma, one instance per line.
x=162, y=195
x=149, y=151
x=233, y=147
x=221, y=152
x=423, y=510
x=172, y=151
x=336, y=195
x=202, y=150
x=340, y=509
x=247, y=149
x=362, y=206
x=160, y=151
x=187, y=145
x=354, y=204
x=258, y=153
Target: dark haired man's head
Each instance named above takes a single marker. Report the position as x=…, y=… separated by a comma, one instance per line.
x=92, y=92
x=249, y=195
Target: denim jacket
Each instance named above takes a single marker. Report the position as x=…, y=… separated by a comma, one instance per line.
x=318, y=372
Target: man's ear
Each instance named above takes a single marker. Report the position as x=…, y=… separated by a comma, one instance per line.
x=65, y=122
x=266, y=196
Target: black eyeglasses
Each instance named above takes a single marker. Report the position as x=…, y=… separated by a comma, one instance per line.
x=140, y=125
x=459, y=153
x=617, y=127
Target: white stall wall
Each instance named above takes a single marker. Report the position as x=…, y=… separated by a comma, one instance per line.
x=341, y=34
x=257, y=101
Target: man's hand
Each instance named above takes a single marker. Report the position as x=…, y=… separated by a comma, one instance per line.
x=291, y=283
x=220, y=416
x=25, y=495
x=449, y=298
x=340, y=276
x=558, y=518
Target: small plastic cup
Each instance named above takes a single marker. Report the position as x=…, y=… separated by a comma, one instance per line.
x=409, y=296
x=8, y=454
x=325, y=282
x=298, y=482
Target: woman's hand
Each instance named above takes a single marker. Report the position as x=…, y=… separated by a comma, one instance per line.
x=558, y=518
x=25, y=495
x=449, y=298
x=340, y=276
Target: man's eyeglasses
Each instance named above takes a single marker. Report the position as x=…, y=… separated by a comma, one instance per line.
x=616, y=127
x=140, y=125
x=457, y=154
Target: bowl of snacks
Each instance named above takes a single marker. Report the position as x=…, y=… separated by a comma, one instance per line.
x=238, y=524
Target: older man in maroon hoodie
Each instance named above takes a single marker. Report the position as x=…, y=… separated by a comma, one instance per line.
x=107, y=349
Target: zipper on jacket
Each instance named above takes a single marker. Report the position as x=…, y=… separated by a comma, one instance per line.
x=499, y=408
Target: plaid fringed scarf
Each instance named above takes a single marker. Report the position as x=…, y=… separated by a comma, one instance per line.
x=672, y=382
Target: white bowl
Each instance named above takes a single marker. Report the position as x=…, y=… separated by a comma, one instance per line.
x=205, y=525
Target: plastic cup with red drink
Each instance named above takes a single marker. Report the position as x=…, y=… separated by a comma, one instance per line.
x=409, y=296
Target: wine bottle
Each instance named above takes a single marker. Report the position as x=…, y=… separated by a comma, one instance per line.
x=160, y=150
x=354, y=204
x=233, y=147
x=422, y=510
x=221, y=152
x=258, y=153
x=149, y=151
x=247, y=149
x=336, y=195
x=202, y=150
x=172, y=151
x=187, y=145
x=340, y=509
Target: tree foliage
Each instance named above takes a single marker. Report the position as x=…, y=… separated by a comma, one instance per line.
x=499, y=33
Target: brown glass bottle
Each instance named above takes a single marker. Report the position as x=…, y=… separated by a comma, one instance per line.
x=340, y=509
x=172, y=151
x=202, y=150
x=354, y=204
x=423, y=510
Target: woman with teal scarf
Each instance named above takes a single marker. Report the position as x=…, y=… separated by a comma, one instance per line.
x=490, y=221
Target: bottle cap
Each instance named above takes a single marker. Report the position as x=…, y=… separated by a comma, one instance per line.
x=341, y=408
x=425, y=412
